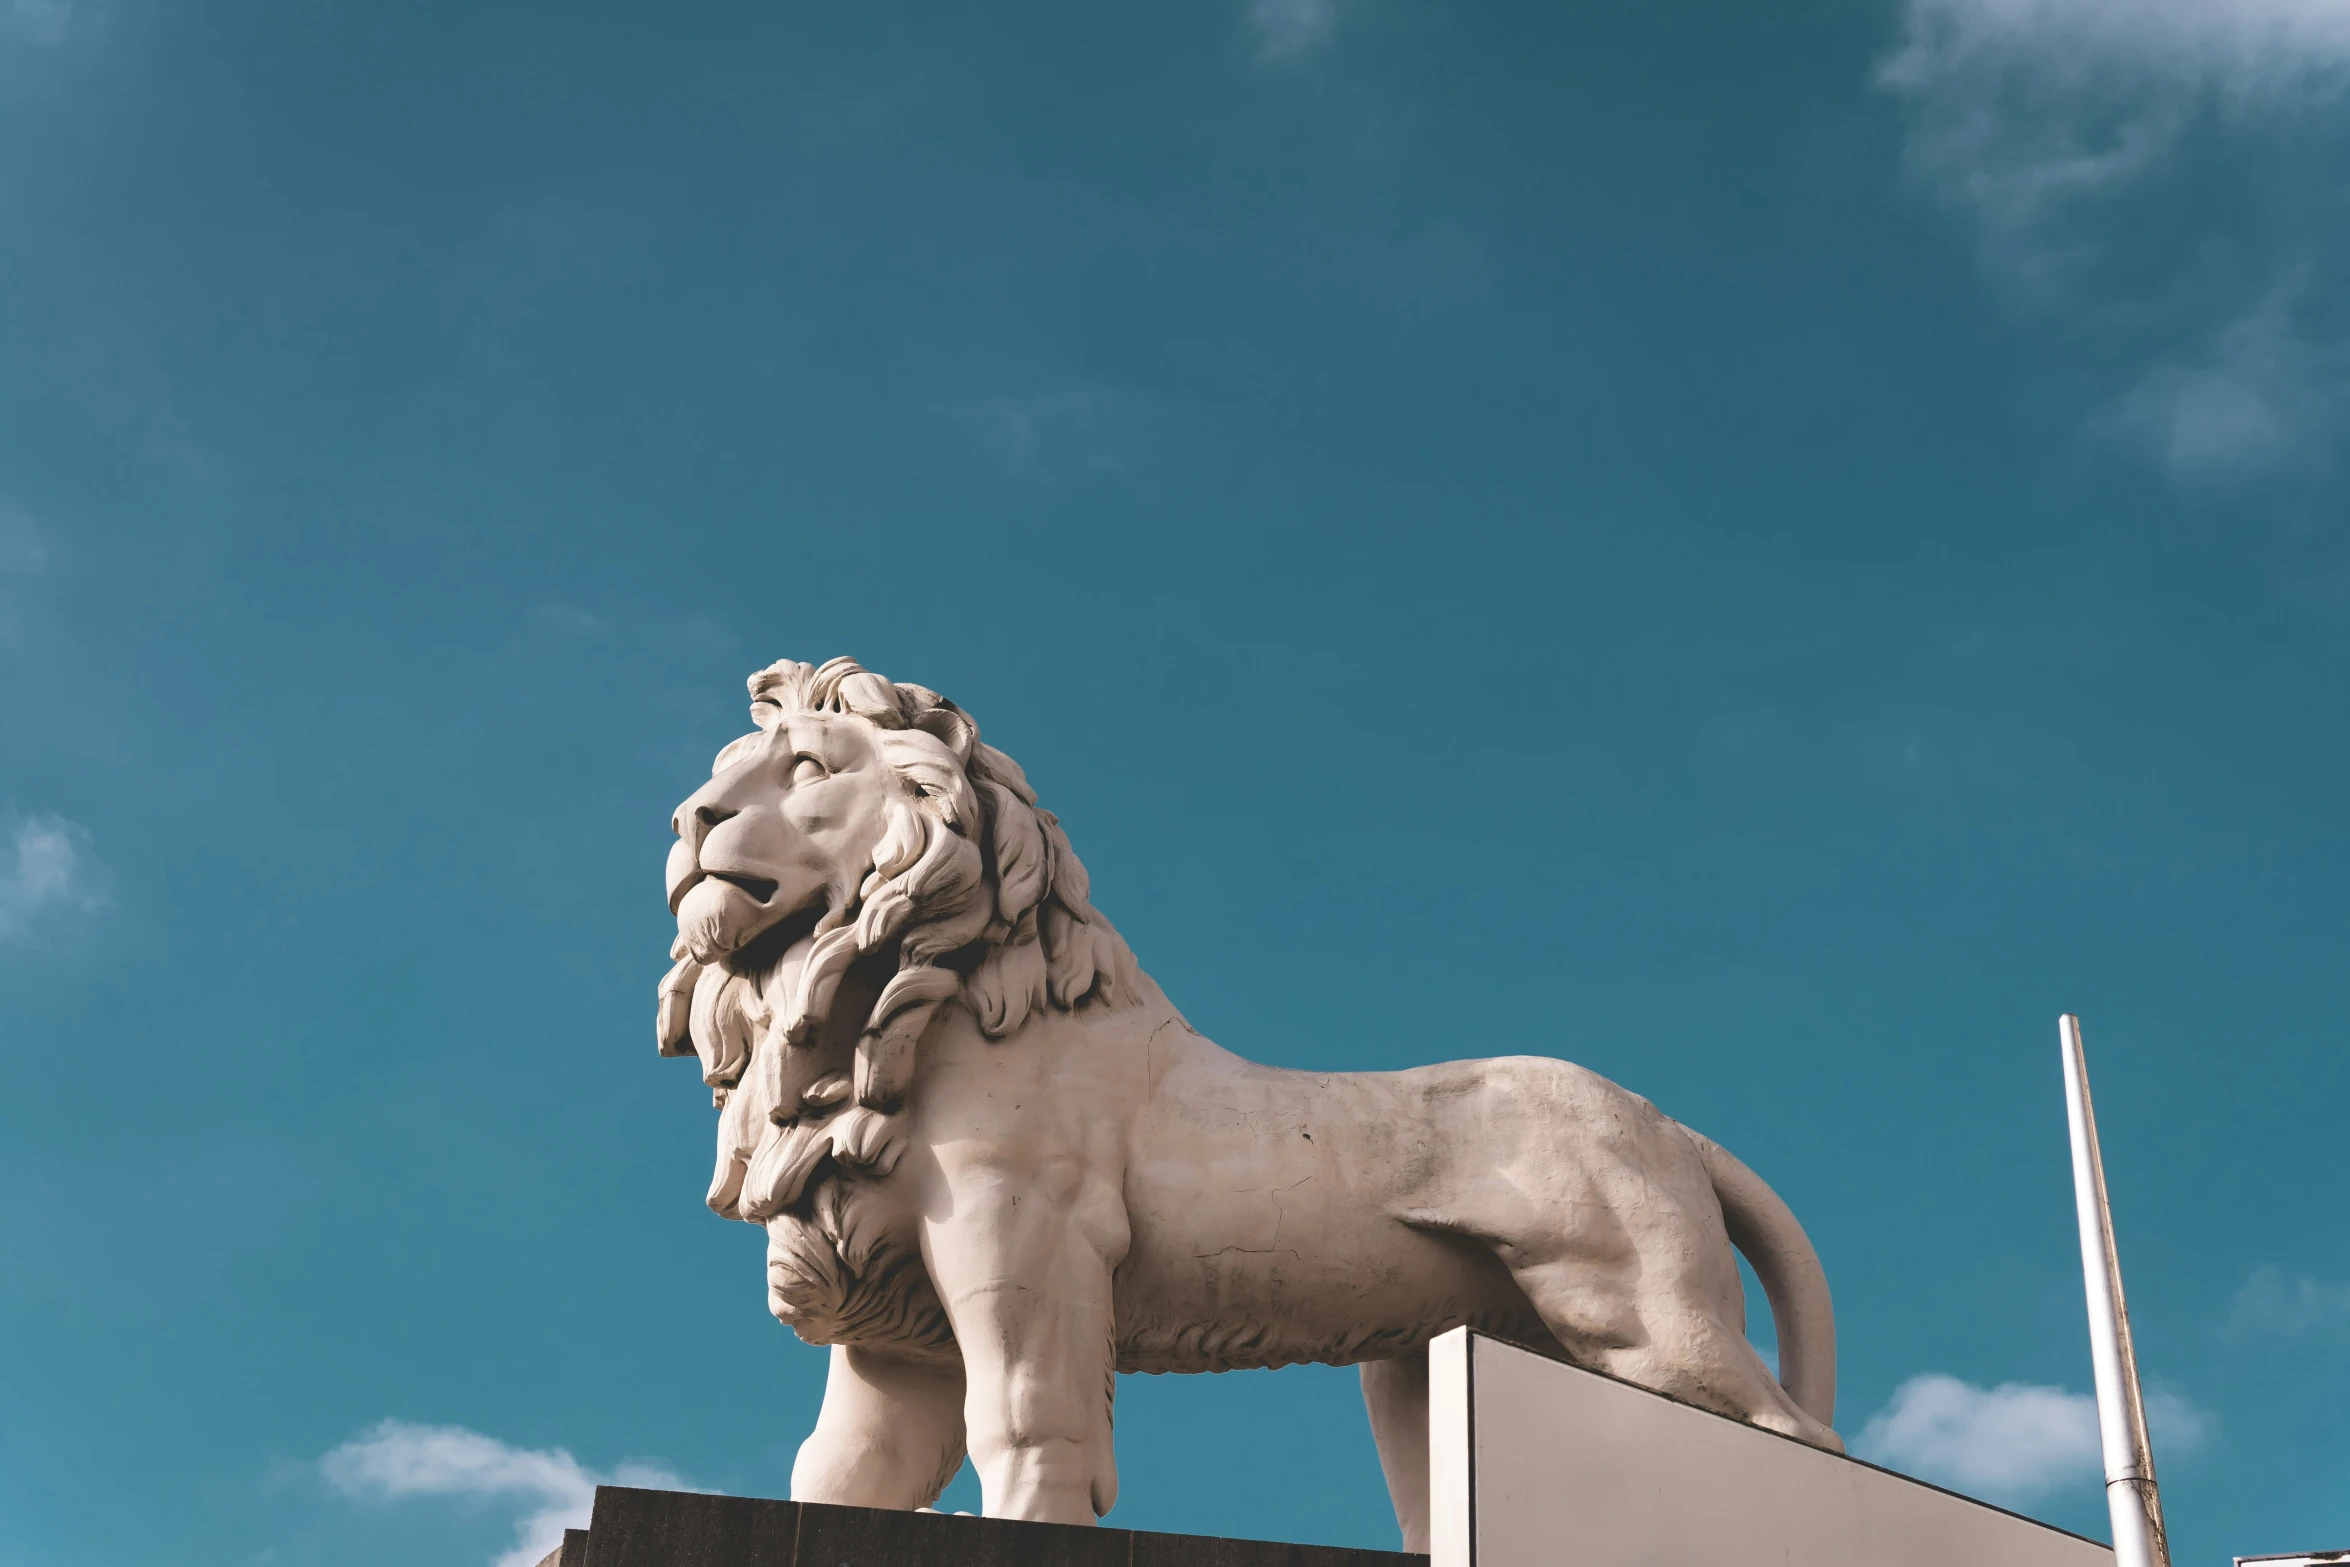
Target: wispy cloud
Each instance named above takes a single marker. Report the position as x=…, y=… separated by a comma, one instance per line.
x=2274, y=1304
x=1075, y=431
x=49, y=869
x=553, y=1490
x=2013, y=1443
x=1290, y=29
x=569, y=620
x=2024, y=111
x=42, y=21
x=2260, y=395
x=21, y=551
x=23, y=557
x=2040, y=120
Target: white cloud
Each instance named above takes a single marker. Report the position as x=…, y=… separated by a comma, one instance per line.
x=2260, y=396
x=2021, y=110
x=395, y=1459
x=2008, y=1443
x=48, y=869
x=2013, y=1443
x=1289, y=29
x=2273, y=1304
x=2246, y=46
x=2051, y=124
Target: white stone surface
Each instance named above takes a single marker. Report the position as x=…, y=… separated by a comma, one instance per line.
x=1537, y=1464
x=996, y=1165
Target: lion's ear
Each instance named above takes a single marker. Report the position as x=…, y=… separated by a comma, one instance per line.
x=952, y=728
x=929, y=765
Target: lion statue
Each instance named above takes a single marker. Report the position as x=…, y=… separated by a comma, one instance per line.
x=996, y=1167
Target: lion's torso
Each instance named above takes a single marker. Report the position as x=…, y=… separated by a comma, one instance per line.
x=1264, y=1217
x=1272, y=1217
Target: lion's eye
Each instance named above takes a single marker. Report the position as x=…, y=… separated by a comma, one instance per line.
x=808, y=770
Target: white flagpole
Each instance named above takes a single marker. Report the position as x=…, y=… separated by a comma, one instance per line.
x=2130, y=1495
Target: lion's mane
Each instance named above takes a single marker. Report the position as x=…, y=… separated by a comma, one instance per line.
x=978, y=897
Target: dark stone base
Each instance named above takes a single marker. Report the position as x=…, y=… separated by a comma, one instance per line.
x=679, y=1529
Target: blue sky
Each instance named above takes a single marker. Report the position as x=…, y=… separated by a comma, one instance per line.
x=1766, y=550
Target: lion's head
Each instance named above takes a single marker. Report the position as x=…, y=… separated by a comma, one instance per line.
x=854, y=865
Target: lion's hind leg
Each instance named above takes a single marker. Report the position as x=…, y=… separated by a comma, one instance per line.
x=1656, y=1327
x=1605, y=1216
x=1702, y=1361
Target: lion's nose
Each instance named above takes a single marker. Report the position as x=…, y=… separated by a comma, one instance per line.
x=692, y=823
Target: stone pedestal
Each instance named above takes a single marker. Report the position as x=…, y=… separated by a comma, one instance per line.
x=632, y=1528
x=1536, y=1463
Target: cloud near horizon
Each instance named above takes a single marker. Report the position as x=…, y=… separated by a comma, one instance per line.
x=394, y=1459
x=2015, y=1443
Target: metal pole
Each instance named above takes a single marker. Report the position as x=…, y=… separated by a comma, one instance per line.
x=2130, y=1495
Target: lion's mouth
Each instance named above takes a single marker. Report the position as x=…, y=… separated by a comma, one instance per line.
x=729, y=913
x=766, y=948
x=759, y=888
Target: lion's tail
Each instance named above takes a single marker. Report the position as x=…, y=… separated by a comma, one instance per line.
x=1764, y=1228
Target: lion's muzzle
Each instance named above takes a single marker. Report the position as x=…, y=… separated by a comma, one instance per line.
x=734, y=873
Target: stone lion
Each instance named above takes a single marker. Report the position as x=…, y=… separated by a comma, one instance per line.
x=996, y=1166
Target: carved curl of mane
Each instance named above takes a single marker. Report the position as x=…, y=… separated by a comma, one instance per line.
x=976, y=886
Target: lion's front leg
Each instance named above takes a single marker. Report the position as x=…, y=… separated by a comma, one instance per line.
x=890, y=1433
x=1396, y=1393
x=1023, y=1260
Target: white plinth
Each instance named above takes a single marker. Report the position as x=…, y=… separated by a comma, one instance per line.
x=1535, y=1463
